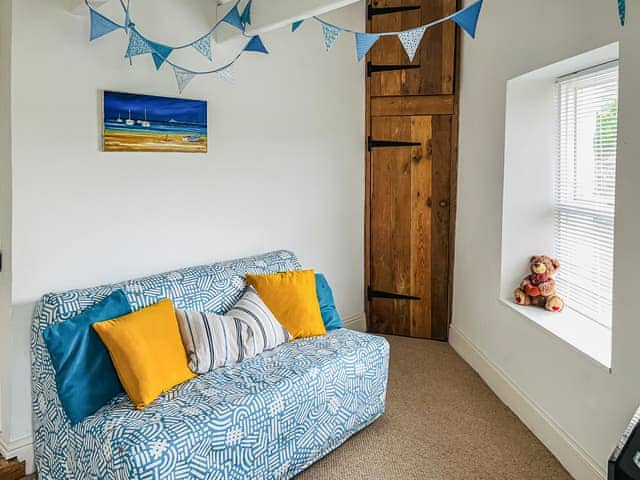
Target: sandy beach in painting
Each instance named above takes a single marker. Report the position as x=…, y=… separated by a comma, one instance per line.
x=152, y=142
x=145, y=123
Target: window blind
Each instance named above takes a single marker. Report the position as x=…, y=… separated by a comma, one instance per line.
x=585, y=189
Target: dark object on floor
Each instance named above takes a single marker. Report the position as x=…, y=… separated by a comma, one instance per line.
x=624, y=463
x=11, y=469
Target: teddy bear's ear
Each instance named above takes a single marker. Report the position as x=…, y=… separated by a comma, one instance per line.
x=533, y=259
x=556, y=263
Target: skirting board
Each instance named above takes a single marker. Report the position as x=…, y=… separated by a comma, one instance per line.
x=21, y=448
x=356, y=322
x=566, y=449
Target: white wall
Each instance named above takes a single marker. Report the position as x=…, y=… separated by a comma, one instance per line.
x=5, y=203
x=576, y=406
x=284, y=169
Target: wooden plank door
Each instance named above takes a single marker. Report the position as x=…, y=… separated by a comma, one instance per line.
x=409, y=175
x=432, y=69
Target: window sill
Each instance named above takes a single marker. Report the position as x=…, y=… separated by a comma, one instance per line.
x=581, y=333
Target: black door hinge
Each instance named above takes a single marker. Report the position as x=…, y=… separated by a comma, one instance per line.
x=372, y=11
x=371, y=293
x=371, y=143
x=371, y=68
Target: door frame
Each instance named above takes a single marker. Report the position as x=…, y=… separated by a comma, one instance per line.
x=417, y=105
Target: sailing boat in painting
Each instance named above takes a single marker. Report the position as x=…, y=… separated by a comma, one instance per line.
x=154, y=124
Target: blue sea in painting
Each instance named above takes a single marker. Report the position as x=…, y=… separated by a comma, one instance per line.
x=149, y=123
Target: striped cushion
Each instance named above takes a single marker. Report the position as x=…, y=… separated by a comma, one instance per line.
x=267, y=332
x=212, y=340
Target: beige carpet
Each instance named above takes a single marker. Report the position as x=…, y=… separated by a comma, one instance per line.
x=442, y=423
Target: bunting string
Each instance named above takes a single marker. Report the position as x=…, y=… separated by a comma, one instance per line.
x=139, y=44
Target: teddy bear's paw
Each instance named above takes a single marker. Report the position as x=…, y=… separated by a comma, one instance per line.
x=554, y=304
x=521, y=298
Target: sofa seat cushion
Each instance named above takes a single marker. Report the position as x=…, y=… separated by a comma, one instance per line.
x=285, y=407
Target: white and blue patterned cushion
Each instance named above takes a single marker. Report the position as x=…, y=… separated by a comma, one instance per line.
x=213, y=341
x=269, y=417
x=267, y=332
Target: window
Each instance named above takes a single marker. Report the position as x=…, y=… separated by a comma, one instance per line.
x=584, y=189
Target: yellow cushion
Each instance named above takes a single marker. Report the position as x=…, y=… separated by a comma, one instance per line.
x=147, y=351
x=291, y=296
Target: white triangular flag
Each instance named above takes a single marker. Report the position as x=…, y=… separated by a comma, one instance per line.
x=411, y=39
x=226, y=74
x=330, y=35
x=183, y=78
x=203, y=46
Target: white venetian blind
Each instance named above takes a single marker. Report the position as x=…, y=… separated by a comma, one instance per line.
x=585, y=189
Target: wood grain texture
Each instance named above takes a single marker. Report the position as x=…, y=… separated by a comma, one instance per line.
x=11, y=469
x=413, y=105
x=435, y=54
x=401, y=226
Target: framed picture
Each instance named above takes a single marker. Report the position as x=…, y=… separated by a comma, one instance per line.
x=145, y=123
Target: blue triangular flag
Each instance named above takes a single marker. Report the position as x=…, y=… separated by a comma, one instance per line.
x=467, y=18
x=137, y=45
x=203, y=46
x=622, y=11
x=296, y=25
x=256, y=45
x=364, y=42
x=246, y=14
x=183, y=78
x=411, y=39
x=330, y=35
x=159, y=53
x=233, y=18
x=101, y=25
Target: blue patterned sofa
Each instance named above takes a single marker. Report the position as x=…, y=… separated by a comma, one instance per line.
x=269, y=417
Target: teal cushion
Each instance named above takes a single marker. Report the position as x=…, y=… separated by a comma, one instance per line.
x=330, y=315
x=85, y=376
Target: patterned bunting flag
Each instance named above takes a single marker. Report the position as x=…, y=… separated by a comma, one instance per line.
x=622, y=11
x=364, y=42
x=467, y=18
x=411, y=39
x=256, y=45
x=137, y=45
x=226, y=74
x=246, y=14
x=330, y=35
x=296, y=25
x=101, y=25
x=233, y=18
x=182, y=78
x=204, y=46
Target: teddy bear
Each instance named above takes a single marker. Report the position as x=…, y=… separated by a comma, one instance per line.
x=539, y=288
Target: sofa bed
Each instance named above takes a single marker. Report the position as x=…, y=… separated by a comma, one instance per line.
x=268, y=417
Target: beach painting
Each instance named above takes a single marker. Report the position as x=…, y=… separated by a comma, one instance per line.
x=145, y=123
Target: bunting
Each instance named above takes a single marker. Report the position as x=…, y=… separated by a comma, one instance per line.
x=101, y=25
x=183, y=77
x=622, y=11
x=226, y=74
x=233, y=18
x=411, y=39
x=246, y=14
x=467, y=18
x=160, y=53
x=204, y=46
x=331, y=34
x=256, y=45
x=364, y=42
